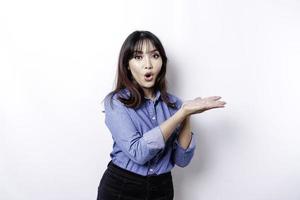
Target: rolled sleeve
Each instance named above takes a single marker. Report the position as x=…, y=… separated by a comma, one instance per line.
x=184, y=156
x=154, y=139
x=139, y=147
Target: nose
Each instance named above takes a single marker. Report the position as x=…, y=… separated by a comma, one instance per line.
x=148, y=63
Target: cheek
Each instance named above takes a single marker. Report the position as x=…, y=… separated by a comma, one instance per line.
x=134, y=68
x=159, y=62
x=134, y=72
x=158, y=66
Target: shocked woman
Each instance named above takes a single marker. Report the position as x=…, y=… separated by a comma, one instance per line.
x=150, y=127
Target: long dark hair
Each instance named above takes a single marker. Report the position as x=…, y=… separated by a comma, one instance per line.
x=124, y=78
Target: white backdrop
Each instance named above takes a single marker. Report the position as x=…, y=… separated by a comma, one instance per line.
x=58, y=60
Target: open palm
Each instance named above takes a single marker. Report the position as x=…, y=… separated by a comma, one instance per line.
x=199, y=104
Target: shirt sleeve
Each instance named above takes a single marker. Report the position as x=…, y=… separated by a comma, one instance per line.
x=139, y=147
x=183, y=157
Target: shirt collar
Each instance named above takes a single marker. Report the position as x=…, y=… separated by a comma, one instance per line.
x=157, y=94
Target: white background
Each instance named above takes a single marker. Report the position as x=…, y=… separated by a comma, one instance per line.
x=58, y=60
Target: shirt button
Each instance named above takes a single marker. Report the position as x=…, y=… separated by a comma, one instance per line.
x=151, y=170
x=153, y=118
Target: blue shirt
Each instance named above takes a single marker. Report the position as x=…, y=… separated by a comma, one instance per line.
x=138, y=143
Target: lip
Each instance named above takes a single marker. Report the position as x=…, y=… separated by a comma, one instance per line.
x=150, y=76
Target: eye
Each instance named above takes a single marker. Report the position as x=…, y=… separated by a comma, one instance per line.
x=137, y=57
x=156, y=55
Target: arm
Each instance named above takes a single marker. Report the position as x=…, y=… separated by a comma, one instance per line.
x=185, y=145
x=142, y=147
x=185, y=135
x=168, y=126
x=138, y=147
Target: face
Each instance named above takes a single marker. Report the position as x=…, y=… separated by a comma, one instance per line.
x=145, y=67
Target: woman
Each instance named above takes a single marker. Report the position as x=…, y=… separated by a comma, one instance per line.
x=150, y=127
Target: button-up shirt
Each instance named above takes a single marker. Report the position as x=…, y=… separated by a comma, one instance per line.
x=138, y=142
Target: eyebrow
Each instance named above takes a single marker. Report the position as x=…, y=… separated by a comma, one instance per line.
x=141, y=52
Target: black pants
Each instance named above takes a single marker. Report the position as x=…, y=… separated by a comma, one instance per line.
x=120, y=184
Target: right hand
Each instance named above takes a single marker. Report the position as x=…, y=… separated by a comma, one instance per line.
x=199, y=105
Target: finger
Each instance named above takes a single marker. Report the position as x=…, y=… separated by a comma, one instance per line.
x=220, y=106
x=218, y=103
x=206, y=109
x=203, y=110
x=214, y=97
x=222, y=102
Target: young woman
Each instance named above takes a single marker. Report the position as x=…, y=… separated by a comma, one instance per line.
x=150, y=127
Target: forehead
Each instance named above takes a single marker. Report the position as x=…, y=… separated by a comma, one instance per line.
x=144, y=46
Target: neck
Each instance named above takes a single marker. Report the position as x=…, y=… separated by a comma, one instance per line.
x=149, y=94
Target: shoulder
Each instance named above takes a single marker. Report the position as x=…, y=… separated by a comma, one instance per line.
x=175, y=99
x=112, y=100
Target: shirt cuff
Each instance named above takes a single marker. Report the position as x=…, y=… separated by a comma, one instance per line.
x=191, y=146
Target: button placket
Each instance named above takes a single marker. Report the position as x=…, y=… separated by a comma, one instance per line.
x=152, y=111
x=150, y=170
x=152, y=115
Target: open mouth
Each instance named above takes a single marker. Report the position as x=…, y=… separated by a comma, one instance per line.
x=148, y=77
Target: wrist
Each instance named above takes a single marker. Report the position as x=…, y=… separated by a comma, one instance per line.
x=183, y=114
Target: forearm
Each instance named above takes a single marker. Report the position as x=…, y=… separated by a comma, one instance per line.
x=185, y=135
x=168, y=126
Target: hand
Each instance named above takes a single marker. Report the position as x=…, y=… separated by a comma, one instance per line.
x=199, y=105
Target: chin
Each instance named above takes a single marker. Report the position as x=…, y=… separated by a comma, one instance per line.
x=148, y=86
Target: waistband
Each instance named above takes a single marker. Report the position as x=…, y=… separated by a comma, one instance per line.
x=123, y=172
